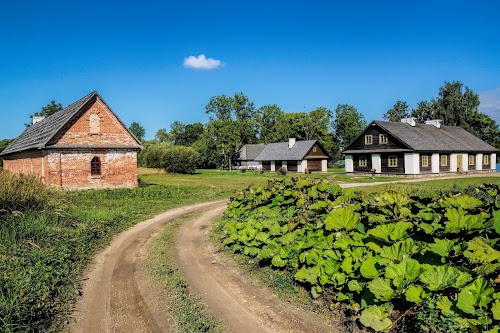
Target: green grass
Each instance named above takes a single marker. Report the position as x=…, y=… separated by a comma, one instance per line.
x=187, y=310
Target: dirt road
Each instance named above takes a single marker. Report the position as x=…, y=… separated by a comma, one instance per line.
x=114, y=297
x=229, y=294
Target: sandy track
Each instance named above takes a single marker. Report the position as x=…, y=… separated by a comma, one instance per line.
x=229, y=294
x=113, y=297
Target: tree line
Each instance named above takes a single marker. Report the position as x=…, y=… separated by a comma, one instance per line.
x=235, y=121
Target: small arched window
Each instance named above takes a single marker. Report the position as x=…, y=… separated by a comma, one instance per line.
x=95, y=166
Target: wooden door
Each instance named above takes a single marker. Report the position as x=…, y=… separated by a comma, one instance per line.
x=459, y=163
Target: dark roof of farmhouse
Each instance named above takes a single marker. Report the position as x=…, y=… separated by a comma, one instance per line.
x=250, y=151
x=280, y=151
x=429, y=138
x=38, y=135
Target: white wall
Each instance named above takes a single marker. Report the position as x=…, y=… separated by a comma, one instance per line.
x=435, y=163
x=493, y=159
x=324, y=165
x=377, y=163
x=273, y=165
x=349, y=163
x=453, y=162
x=479, y=162
x=302, y=166
x=412, y=163
x=465, y=162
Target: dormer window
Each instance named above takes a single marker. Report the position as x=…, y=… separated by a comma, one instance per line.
x=382, y=138
x=368, y=139
x=94, y=123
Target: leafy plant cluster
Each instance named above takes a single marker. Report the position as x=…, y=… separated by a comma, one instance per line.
x=385, y=257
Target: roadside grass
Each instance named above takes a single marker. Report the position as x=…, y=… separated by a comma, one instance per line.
x=187, y=310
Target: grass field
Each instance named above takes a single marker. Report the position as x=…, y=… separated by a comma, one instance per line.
x=44, y=249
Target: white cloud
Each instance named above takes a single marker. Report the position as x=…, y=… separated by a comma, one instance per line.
x=201, y=62
x=490, y=103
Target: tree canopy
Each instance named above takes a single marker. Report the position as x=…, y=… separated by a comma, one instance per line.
x=348, y=124
x=47, y=110
x=399, y=110
x=137, y=130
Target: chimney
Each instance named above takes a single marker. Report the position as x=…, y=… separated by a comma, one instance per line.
x=291, y=142
x=37, y=119
x=435, y=122
x=410, y=121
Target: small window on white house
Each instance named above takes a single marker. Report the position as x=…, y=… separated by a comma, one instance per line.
x=314, y=149
x=472, y=159
x=425, y=161
x=393, y=161
x=95, y=166
x=368, y=139
x=382, y=138
x=94, y=123
x=444, y=160
x=362, y=161
x=486, y=159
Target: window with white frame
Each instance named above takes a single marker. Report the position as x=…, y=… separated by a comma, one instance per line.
x=425, y=161
x=382, y=138
x=444, y=160
x=368, y=139
x=392, y=161
x=472, y=159
x=486, y=159
x=362, y=161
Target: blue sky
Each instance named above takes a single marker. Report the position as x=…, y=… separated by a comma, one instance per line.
x=296, y=54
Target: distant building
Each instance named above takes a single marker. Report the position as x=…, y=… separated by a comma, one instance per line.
x=411, y=148
x=247, y=155
x=82, y=146
x=295, y=156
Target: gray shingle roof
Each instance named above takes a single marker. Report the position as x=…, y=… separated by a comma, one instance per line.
x=279, y=151
x=429, y=138
x=38, y=135
x=250, y=151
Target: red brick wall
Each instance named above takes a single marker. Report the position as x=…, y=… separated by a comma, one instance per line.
x=111, y=132
x=30, y=162
x=71, y=169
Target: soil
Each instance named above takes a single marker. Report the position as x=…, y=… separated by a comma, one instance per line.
x=117, y=295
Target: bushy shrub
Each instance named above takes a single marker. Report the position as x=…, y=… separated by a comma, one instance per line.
x=153, y=153
x=180, y=159
x=19, y=192
x=282, y=171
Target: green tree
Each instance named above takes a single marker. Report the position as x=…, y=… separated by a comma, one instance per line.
x=267, y=120
x=423, y=112
x=185, y=135
x=162, y=135
x=399, y=110
x=347, y=125
x=137, y=130
x=180, y=159
x=46, y=111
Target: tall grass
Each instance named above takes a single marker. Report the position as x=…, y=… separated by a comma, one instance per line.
x=19, y=192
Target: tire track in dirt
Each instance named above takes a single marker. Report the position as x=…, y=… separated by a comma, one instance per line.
x=229, y=294
x=113, y=298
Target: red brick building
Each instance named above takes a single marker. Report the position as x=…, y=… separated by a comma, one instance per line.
x=82, y=146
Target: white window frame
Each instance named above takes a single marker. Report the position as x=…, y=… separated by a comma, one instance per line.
x=445, y=160
x=368, y=139
x=394, y=159
x=382, y=138
x=425, y=161
x=364, y=163
x=486, y=159
x=472, y=159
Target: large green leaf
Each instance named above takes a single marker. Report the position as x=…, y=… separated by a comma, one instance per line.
x=381, y=288
x=310, y=275
x=368, y=269
x=342, y=218
x=377, y=317
x=355, y=285
x=444, y=304
x=463, y=201
x=495, y=309
x=479, y=250
x=415, y=294
x=459, y=220
x=399, y=250
x=441, y=247
x=403, y=273
x=390, y=232
x=278, y=262
x=495, y=219
x=477, y=294
x=439, y=277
